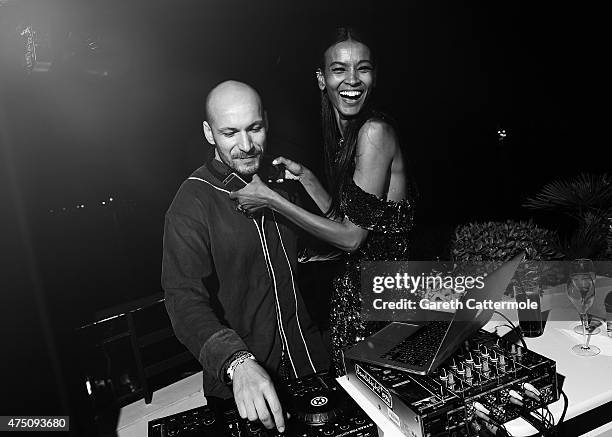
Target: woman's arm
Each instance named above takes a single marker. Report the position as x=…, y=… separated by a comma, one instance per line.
x=377, y=144
x=341, y=234
x=375, y=150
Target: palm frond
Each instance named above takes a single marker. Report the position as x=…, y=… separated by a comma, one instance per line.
x=586, y=192
x=588, y=241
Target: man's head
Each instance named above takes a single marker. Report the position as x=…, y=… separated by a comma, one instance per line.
x=236, y=126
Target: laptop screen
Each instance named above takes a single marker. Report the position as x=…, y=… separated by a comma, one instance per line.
x=470, y=318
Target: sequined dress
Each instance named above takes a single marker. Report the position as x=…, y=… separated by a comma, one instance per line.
x=389, y=223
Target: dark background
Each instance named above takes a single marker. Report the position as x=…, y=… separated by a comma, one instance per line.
x=118, y=115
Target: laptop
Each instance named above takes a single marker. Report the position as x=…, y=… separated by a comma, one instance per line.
x=420, y=347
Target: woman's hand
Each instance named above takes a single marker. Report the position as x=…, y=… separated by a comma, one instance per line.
x=254, y=196
x=293, y=170
x=312, y=185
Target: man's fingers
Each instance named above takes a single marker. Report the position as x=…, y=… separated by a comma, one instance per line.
x=263, y=413
x=251, y=410
x=241, y=409
x=275, y=408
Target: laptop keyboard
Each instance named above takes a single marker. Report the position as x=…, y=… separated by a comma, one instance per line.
x=419, y=348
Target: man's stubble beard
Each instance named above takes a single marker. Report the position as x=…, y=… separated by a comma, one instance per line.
x=249, y=171
x=234, y=167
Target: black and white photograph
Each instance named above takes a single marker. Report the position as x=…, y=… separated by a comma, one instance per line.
x=342, y=218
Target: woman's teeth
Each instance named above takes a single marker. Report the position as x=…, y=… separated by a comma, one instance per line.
x=352, y=95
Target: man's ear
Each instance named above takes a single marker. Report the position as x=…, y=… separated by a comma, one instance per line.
x=320, y=79
x=208, y=133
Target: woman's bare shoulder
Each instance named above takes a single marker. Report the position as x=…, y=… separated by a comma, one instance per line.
x=377, y=135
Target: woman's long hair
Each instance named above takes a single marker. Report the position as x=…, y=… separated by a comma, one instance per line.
x=339, y=157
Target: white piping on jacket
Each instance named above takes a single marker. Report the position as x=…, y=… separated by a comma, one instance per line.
x=267, y=256
x=297, y=316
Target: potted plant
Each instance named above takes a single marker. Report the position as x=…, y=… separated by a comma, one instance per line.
x=484, y=246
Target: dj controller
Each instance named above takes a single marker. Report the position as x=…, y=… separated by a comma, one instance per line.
x=485, y=383
x=318, y=407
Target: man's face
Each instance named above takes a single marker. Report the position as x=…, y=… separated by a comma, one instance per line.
x=348, y=77
x=238, y=132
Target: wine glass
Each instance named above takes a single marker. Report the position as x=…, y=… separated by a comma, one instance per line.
x=581, y=266
x=581, y=292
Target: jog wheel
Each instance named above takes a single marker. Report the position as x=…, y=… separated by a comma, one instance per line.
x=317, y=407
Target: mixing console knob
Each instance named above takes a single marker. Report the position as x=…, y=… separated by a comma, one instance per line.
x=519, y=352
x=469, y=361
x=468, y=376
x=493, y=356
x=443, y=375
x=478, y=364
x=502, y=364
x=513, y=349
x=453, y=365
x=451, y=381
x=485, y=352
x=485, y=366
x=461, y=369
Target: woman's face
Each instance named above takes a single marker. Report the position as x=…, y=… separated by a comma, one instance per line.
x=348, y=77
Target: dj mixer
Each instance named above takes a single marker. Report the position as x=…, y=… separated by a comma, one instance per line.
x=486, y=382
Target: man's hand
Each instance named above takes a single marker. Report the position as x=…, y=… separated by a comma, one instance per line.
x=255, y=395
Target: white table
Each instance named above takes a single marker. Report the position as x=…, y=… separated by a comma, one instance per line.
x=588, y=380
x=181, y=396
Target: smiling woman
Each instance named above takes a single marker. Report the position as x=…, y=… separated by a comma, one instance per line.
x=348, y=76
x=370, y=207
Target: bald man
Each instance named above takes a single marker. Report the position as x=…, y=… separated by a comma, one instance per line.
x=229, y=278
